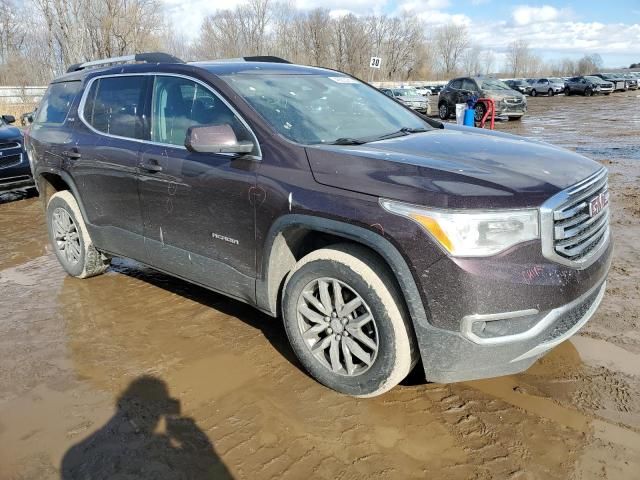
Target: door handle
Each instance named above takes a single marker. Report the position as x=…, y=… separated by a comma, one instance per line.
x=151, y=166
x=72, y=154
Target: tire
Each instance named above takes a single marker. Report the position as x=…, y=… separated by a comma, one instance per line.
x=76, y=252
x=480, y=110
x=550, y=92
x=588, y=92
x=443, y=111
x=608, y=93
x=358, y=273
x=567, y=92
x=534, y=93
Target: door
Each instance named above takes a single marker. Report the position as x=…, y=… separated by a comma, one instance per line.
x=105, y=160
x=197, y=207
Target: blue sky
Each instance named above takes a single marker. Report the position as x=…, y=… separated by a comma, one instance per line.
x=553, y=29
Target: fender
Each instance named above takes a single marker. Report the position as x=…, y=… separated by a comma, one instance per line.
x=278, y=260
x=68, y=180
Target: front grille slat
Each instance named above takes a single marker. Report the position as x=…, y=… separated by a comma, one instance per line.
x=584, y=222
x=7, y=161
x=575, y=232
x=585, y=233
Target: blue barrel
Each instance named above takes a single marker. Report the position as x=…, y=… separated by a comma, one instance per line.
x=469, y=117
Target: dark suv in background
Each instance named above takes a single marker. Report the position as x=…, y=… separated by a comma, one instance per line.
x=15, y=172
x=587, y=86
x=379, y=236
x=509, y=103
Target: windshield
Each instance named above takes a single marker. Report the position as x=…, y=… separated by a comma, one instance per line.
x=594, y=79
x=493, y=85
x=322, y=108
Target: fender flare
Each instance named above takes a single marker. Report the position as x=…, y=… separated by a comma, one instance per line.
x=267, y=287
x=68, y=180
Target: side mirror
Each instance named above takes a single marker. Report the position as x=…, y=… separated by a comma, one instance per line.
x=215, y=139
x=9, y=119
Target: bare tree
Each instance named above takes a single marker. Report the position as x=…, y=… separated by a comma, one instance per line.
x=471, y=60
x=589, y=64
x=449, y=43
x=518, y=56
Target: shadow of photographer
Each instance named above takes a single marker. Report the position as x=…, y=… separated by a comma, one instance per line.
x=147, y=438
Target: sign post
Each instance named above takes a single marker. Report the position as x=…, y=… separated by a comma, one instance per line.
x=374, y=63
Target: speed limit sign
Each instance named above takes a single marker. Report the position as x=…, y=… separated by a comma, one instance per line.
x=375, y=62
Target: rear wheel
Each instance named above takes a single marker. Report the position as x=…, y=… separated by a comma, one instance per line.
x=534, y=93
x=443, y=111
x=346, y=321
x=70, y=239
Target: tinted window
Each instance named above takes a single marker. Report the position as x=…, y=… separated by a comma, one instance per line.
x=57, y=102
x=468, y=84
x=456, y=84
x=114, y=105
x=179, y=103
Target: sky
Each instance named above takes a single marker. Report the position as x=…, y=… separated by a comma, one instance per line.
x=553, y=29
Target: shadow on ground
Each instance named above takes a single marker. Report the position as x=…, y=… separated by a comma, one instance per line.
x=147, y=438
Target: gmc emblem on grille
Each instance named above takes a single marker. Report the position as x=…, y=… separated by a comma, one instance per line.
x=597, y=203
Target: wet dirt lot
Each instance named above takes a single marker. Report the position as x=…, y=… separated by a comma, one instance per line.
x=141, y=375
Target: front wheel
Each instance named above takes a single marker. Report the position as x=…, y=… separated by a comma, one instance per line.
x=346, y=321
x=70, y=239
x=533, y=93
x=588, y=92
x=550, y=92
x=480, y=111
x=567, y=92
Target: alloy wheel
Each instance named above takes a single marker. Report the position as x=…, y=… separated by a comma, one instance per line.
x=66, y=235
x=337, y=326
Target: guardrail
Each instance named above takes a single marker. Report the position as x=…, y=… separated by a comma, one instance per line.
x=20, y=95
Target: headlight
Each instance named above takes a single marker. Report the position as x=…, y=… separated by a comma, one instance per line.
x=474, y=233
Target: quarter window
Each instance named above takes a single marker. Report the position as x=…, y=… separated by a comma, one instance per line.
x=114, y=106
x=457, y=84
x=55, y=105
x=468, y=84
x=179, y=103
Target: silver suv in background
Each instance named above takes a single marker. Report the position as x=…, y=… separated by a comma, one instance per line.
x=410, y=98
x=547, y=86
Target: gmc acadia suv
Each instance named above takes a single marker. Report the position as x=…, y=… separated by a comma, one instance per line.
x=381, y=237
x=15, y=172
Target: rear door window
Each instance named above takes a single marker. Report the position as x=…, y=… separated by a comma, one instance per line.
x=115, y=106
x=457, y=84
x=56, y=103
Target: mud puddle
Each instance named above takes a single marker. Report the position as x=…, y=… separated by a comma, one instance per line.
x=143, y=375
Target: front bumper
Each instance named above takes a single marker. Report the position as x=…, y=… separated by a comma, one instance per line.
x=492, y=317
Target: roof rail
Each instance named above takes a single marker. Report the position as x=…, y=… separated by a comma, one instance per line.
x=256, y=58
x=149, y=57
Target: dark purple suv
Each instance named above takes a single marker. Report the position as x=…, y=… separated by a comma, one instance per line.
x=380, y=237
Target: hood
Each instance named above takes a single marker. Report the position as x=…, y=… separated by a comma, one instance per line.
x=9, y=133
x=454, y=167
x=502, y=94
x=412, y=98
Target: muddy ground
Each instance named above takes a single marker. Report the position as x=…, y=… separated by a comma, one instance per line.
x=144, y=375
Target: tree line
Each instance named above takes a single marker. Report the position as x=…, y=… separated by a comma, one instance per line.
x=40, y=38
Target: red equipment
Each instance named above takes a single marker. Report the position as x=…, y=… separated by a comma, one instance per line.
x=489, y=110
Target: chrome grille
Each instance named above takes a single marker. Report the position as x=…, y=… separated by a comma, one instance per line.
x=7, y=145
x=9, y=160
x=572, y=233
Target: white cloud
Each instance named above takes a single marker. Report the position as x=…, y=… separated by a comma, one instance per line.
x=526, y=15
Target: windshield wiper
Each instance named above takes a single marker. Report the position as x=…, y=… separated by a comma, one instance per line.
x=402, y=132
x=348, y=141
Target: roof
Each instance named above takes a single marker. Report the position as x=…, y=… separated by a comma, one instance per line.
x=216, y=67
